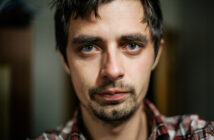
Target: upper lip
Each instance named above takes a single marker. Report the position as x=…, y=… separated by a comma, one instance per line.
x=112, y=91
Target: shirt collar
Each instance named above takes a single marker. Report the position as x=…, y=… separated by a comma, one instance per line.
x=156, y=125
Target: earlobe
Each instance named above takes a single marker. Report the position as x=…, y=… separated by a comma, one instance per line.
x=66, y=66
x=158, y=55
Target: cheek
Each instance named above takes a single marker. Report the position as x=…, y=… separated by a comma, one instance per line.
x=83, y=76
x=139, y=72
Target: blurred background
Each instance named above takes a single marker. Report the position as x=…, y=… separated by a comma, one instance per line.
x=34, y=91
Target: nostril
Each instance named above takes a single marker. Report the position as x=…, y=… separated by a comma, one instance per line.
x=120, y=76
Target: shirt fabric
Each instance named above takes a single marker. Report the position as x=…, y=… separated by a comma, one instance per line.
x=185, y=127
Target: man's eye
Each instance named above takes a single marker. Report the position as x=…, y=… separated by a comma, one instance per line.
x=132, y=46
x=88, y=48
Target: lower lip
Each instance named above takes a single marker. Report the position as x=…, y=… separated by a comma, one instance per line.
x=113, y=97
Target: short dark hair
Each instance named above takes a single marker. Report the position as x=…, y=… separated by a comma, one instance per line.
x=81, y=8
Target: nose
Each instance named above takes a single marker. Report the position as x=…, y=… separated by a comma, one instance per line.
x=112, y=67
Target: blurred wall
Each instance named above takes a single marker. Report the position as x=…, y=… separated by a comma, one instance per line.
x=193, y=22
x=196, y=63
x=47, y=73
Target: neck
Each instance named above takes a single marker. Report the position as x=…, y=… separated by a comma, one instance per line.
x=134, y=128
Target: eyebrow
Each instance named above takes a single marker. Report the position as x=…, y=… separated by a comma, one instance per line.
x=81, y=39
x=134, y=37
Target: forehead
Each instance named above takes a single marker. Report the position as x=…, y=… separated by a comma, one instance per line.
x=116, y=18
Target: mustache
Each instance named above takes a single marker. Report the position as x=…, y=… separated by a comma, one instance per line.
x=111, y=84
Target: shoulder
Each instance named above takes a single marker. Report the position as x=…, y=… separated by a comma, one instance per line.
x=189, y=126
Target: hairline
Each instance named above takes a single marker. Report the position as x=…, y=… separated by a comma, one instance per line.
x=155, y=29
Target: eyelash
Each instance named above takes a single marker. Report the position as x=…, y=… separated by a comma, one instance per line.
x=80, y=48
x=139, y=45
x=85, y=53
x=84, y=47
x=126, y=45
x=122, y=45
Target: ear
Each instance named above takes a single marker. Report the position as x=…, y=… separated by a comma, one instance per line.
x=158, y=55
x=66, y=66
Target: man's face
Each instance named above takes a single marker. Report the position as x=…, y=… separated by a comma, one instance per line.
x=110, y=59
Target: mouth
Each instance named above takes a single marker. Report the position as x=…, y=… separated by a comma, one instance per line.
x=111, y=96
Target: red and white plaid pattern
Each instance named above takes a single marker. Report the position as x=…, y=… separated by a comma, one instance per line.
x=186, y=127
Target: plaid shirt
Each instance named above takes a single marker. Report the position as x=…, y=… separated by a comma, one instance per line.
x=186, y=127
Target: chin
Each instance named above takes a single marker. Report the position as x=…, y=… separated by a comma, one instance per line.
x=114, y=112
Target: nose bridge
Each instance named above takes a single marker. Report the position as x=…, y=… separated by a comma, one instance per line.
x=112, y=66
x=112, y=60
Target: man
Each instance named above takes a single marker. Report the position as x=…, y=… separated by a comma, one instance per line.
x=109, y=48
